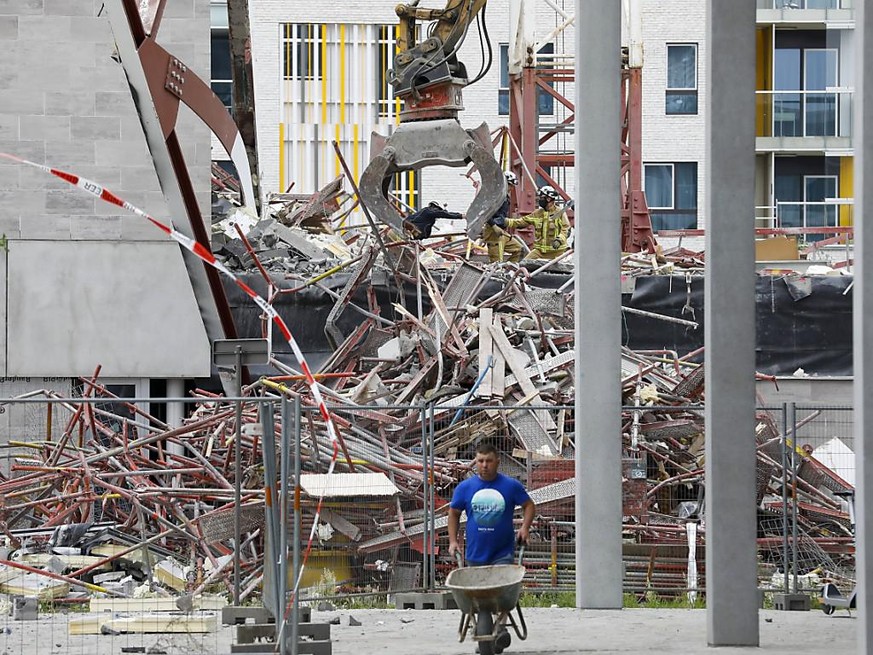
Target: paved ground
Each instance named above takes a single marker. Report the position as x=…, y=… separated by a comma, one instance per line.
x=431, y=632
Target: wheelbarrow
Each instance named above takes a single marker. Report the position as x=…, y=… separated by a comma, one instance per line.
x=486, y=596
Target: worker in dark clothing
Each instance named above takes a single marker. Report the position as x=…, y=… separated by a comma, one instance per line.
x=420, y=223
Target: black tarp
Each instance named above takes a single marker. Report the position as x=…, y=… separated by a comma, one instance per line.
x=801, y=321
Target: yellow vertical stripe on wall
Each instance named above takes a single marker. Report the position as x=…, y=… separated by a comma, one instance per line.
x=764, y=81
x=847, y=189
x=337, y=131
x=342, y=74
x=281, y=156
x=393, y=33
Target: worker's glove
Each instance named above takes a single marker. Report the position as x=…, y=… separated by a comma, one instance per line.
x=571, y=204
x=497, y=221
x=556, y=244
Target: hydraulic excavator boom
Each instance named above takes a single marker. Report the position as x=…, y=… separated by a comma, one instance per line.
x=428, y=77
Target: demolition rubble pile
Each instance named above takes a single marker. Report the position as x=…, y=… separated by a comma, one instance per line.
x=121, y=504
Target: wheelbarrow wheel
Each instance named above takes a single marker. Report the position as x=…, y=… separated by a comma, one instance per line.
x=485, y=626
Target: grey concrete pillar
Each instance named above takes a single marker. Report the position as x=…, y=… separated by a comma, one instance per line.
x=175, y=411
x=598, y=305
x=863, y=328
x=729, y=103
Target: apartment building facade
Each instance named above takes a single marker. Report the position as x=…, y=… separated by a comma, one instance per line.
x=804, y=140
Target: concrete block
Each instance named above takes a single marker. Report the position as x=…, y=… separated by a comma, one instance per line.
x=24, y=101
x=69, y=8
x=69, y=103
x=49, y=29
x=31, y=150
x=8, y=127
x=791, y=602
x=25, y=608
x=45, y=227
x=96, y=228
x=250, y=633
x=11, y=227
x=73, y=202
x=120, y=153
x=303, y=648
x=21, y=7
x=434, y=600
x=90, y=29
x=8, y=28
x=139, y=178
x=69, y=154
x=114, y=103
x=233, y=615
x=47, y=128
x=104, y=128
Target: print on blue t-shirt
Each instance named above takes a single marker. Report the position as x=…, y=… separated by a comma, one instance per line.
x=489, y=507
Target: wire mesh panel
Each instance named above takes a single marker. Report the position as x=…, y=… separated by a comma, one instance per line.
x=124, y=516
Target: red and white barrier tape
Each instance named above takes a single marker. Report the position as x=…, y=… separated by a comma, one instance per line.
x=203, y=253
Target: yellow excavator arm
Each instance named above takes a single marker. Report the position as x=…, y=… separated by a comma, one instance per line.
x=432, y=60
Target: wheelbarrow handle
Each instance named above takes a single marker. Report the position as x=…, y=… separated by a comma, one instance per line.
x=458, y=558
x=520, y=552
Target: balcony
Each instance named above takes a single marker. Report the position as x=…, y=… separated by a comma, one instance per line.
x=805, y=12
x=831, y=212
x=804, y=121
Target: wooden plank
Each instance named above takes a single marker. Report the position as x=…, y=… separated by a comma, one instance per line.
x=162, y=604
x=343, y=526
x=527, y=387
x=546, y=365
x=485, y=348
x=145, y=624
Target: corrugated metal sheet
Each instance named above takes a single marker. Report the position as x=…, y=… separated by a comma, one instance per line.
x=345, y=485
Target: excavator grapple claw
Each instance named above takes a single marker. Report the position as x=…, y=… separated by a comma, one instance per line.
x=416, y=145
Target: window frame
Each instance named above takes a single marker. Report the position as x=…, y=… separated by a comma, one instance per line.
x=503, y=76
x=689, y=91
x=672, y=168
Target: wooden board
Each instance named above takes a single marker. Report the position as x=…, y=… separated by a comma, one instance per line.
x=485, y=348
x=165, y=604
x=145, y=623
x=527, y=387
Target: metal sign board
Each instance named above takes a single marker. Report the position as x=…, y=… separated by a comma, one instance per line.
x=227, y=352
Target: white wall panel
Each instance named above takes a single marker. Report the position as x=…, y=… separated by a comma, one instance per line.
x=126, y=306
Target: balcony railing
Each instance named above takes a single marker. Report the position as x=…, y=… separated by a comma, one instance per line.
x=825, y=113
x=806, y=4
x=827, y=213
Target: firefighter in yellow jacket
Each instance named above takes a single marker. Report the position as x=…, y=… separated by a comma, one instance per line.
x=502, y=246
x=550, y=223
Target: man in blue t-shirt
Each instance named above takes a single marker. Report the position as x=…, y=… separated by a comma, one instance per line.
x=489, y=500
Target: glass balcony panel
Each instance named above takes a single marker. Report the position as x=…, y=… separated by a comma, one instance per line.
x=804, y=113
x=789, y=214
x=787, y=115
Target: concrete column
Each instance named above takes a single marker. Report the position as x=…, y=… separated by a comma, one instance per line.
x=729, y=102
x=175, y=411
x=863, y=328
x=598, y=305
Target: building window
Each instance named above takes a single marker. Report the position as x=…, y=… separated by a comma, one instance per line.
x=681, y=78
x=671, y=193
x=805, y=104
x=220, y=71
x=545, y=101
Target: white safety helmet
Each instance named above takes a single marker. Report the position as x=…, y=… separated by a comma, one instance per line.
x=511, y=178
x=548, y=192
